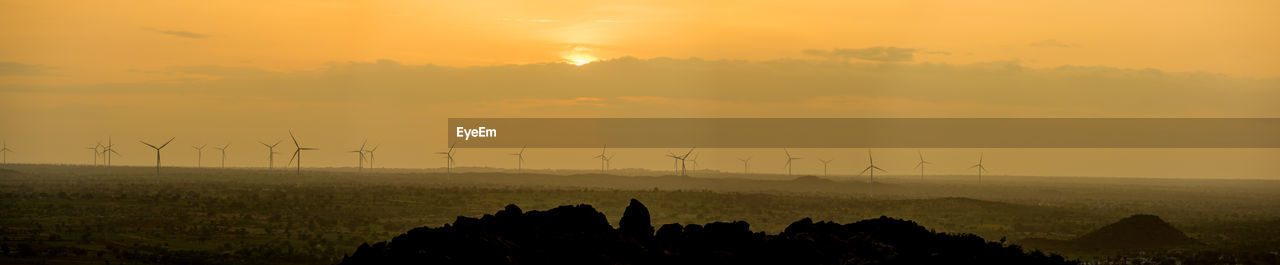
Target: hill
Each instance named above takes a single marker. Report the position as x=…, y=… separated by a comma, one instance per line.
x=581, y=235
x=1135, y=232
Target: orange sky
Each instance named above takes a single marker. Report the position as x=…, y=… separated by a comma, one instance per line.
x=233, y=71
x=96, y=41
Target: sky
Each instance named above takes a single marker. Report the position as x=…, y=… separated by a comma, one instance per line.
x=335, y=72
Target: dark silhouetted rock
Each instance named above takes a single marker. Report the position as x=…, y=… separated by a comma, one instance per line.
x=635, y=221
x=581, y=235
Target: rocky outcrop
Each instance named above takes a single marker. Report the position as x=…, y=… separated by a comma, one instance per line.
x=581, y=235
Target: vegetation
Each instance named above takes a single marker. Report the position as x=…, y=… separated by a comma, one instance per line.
x=80, y=214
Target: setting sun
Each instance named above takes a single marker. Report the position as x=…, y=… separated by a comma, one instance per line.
x=579, y=56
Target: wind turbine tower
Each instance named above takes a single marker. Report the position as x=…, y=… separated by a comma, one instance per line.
x=166, y=143
x=921, y=164
x=360, y=164
x=448, y=162
x=4, y=150
x=789, y=159
x=519, y=158
x=223, y=149
x=375, y=148
x=297, y=153
x=271, y=153
x=825, y=163
x=199, y=154
x=602, y=157
x=979, y=167
x=871, y=167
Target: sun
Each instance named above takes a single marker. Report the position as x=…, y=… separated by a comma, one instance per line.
x=579, y=56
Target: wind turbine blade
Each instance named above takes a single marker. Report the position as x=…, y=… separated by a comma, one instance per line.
x=366, y=141
x=295, y=139
x=114, y=151
x=170, y=141
x=152, y=146
x=295, y=154
x=264, y=144
x=973, y=166
x=864, y=171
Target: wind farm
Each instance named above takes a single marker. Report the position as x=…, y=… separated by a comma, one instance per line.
x=724, y=174
x=1121, y=132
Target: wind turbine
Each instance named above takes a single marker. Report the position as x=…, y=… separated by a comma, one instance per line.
x=675, y=162
x=745, y=167
x=4, y=149
x=608, y=162
x=519, y=158
x=695, y=161
x=448, y=162
x=824, y=165
x=980, y=167
x=199, y=154
x=95, y=152
x=224, y=154
x=360, y=164
x=297, y=153
x=271, y=153
x=602, y=157
x=789, y=159
x=921, y=164
x=166, y=143
x=872, y=167
x=108, y=150
x=683, y=158
x=375, y=148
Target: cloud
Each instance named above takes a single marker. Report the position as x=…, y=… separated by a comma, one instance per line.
x=878, y=54
x=1051, y=43
x=20, y=69
x=178, y=33
x=627, y=85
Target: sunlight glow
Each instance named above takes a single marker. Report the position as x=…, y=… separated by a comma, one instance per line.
x=579, y=55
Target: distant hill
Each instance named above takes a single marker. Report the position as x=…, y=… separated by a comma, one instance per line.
x=581, y=235
x=812, y=179
x=1134, y=232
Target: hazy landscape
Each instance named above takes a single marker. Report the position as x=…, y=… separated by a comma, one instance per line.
x=66, y=214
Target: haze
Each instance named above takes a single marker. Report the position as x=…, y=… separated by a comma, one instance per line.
x=76, y=72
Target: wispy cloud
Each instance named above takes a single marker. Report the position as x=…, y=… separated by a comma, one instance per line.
x=530, y=20
x=878, y=54
x=178, y=33
x=17, y=69
x=1051, y=43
